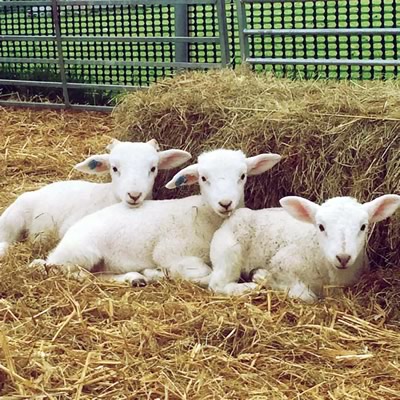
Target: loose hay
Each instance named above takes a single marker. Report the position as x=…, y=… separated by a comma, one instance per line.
x=60, y=339
x=66, y=340
x=336, y=138
x=39, y=147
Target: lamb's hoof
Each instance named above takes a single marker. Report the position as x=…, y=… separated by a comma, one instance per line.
x=237, y=289
x=244, y=288
x=3, y=250
x=203, y=282
x=138, y=283
x=135, y=279
x=301, y=292
x=39, y=264
x=310, y=299
x=258, y=275
x=153, y=275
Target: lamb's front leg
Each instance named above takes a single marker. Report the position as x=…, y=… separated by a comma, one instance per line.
x=153, y=274
x=284, y=272
x=72, y=258
x=298, y=290
x=193, y=269
x=135, y=279
x=259, y=275
x=71, y=270
x=177, y=259
x=14, y=221
x=227, y=260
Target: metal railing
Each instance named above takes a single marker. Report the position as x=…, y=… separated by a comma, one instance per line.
x=181, y=52
x=251, y=37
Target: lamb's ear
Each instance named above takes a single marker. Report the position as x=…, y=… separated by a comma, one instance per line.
x=258, y=164
x=154, y=143
x=172, y=158
x=299, y=208
x=382, y=207
x=187, y=176
x=113, y=143
x=97, y=164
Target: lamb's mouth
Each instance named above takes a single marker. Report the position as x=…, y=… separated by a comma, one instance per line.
x=133, y=204
x=340, y=266
x=226, y=213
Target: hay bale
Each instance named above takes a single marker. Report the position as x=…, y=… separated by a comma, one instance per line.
x=336, y=138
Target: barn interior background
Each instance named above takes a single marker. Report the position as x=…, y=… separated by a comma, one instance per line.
x=77, y=53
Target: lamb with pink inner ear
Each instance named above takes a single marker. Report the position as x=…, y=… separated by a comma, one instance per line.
x=54, y=208
x=299, y=248
x=165, y=235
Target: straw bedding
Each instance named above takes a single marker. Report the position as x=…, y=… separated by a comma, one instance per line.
x=61, y=339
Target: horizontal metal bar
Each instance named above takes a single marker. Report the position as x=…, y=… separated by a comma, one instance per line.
x=89, y=107
x=151, y=39
x=280, y=1
x=31, y=3
x=153, y=64
x=211, y=39
x=323, y=32
x=54, y=106
x=102, y=87
x=321, y=61
x=31, y=104
x=25, y=60
x=72, y=85
x=27, y=38
x=170, y=39
x=112, y=63
x=132, y=2
x=19, y=82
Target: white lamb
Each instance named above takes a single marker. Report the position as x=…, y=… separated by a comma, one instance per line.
x=313, y=247
x=165, y=235
x=57, y=206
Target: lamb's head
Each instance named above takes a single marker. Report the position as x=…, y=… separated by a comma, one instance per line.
x=133, y=167
x=342, y=223
x=222, y=175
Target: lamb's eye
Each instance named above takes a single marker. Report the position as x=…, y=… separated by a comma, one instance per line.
x=115, y=169
x=321, y=228
x=243, y=176
x=204, y=179
x=153, y=169
x=363, y=227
